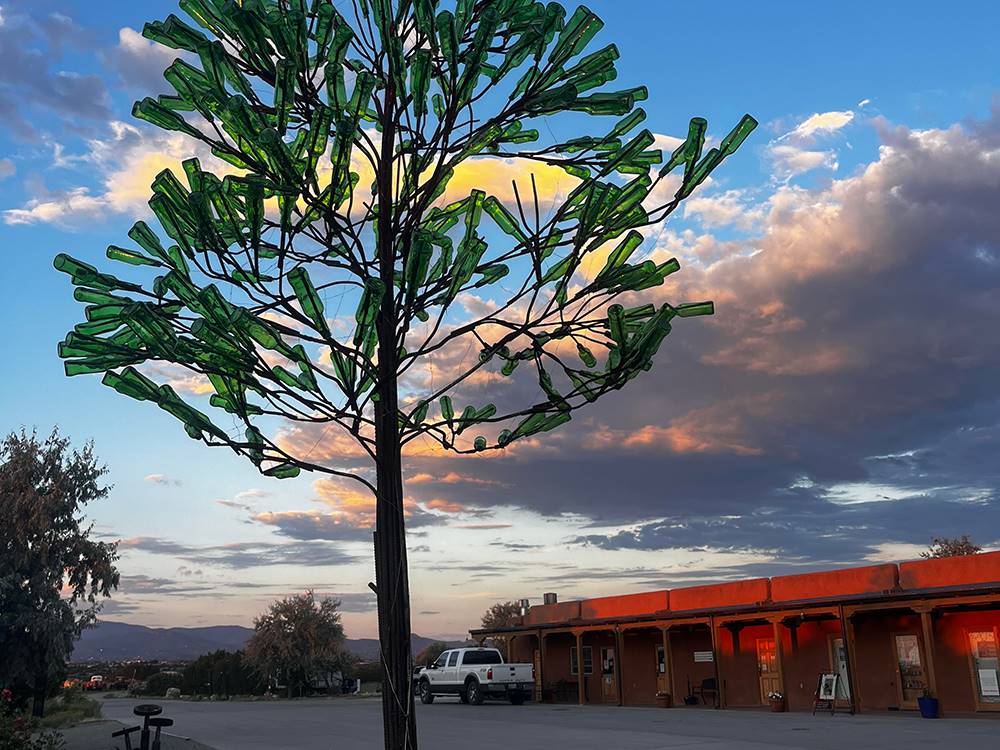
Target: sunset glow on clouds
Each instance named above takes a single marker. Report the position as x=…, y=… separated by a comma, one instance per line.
x=841, y=405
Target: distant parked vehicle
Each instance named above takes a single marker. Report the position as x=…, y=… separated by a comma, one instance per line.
x=475, y=675
x=96, y=682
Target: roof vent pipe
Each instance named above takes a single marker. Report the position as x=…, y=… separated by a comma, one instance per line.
x=525, y=606
x=550, y=598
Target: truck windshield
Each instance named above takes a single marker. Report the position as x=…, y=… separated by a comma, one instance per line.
x=482, y=656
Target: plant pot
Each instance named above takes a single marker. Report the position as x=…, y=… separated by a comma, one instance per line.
x=664, y=700
x=777, y=705
x=928, y=707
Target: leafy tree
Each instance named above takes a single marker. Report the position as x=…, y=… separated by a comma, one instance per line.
x=341, y=135
x=221, y=672
x=52, y=574
x=297, y=640
x=945, y=547
x=501, y=615
x=430, y=653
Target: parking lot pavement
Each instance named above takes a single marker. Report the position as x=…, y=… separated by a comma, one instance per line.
x=355, y=724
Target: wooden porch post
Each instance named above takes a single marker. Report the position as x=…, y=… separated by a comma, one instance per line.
x=619, y=669
x=581, y=680
x=720, y=698
x=928, y=627
x=852, y=660
x=541, y=666
x=668, y=663
x=509, y=643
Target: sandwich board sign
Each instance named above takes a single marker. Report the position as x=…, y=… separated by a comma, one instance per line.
x=826, y=692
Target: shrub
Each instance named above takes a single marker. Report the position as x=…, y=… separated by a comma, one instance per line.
x=20, y=732
x=159, y=683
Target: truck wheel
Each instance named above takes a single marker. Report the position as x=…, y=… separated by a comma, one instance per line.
x=517, y=700
x=473, y=692
x=463, y=696
x=426, y=696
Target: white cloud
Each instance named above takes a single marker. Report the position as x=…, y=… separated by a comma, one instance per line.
x=128, y=160
x=820, y=123
x=729, y=208
x=789, y=161
x=162, y=479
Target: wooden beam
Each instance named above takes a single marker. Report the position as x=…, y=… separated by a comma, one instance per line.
x=668, y=662
x=720, y=699
x=619, y=669
x=581, y=682
x=928, y=627
x=852, y=660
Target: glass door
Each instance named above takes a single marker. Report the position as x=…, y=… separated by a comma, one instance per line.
x=911, y=681
x=985, y=666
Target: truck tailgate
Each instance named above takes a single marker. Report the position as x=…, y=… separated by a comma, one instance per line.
x=512, y=673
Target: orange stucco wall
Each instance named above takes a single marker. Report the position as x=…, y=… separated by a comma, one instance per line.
x=547, y=613
x=687, y=672
x=950, y=571
x=639, y=666
x=871, y=579
x=720, y=595
x=625, y=606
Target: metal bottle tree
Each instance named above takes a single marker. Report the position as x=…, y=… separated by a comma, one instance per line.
x=343, y=126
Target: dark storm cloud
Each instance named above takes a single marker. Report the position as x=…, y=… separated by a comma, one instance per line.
x=315, y=525
x=855, y=341
x=31, y=44
x=244, y=554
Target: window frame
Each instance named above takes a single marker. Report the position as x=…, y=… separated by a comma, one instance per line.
x=573, y=661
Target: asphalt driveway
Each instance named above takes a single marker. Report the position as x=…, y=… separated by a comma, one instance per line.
x=355, y=724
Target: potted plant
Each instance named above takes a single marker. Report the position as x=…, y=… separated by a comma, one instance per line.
x=929, y=705
x=777, y=701
x=663, y=700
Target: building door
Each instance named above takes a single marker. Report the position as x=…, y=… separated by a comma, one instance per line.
x=767, y=668
x=911, y=680
x=662, y=681
x=609, y=680
x=838, y=660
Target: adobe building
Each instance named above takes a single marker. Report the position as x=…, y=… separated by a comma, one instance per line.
x=890, y=632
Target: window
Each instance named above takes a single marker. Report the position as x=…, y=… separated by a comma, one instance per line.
x=482, y=656
x=985, y=664
x=442, y=661
x=588, y=660
x=453, y=659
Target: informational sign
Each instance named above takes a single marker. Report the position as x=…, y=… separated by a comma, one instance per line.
x=988, y=683
x=703, y=656
x=828, y=687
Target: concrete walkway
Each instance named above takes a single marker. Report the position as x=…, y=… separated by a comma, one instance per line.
x=96, y=735
x=355, y=724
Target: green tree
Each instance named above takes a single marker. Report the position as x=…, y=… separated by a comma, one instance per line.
x=52, y=574
x=430, y=653
x=297, y=641
x=340, y=136
x=223, y=673
x=946, y=547
x=501, y=615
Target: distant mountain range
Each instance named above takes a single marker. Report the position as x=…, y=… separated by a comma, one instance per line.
x=118, y=641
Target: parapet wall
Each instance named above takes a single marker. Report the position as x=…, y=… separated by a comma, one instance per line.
x=888, y=578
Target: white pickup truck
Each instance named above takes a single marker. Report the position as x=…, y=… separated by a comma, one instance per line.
x=474, y=675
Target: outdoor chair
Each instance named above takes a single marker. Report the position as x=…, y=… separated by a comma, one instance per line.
x=127, y=734
x=708, y=687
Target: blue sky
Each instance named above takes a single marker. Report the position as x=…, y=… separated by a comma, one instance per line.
x=841, y=407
